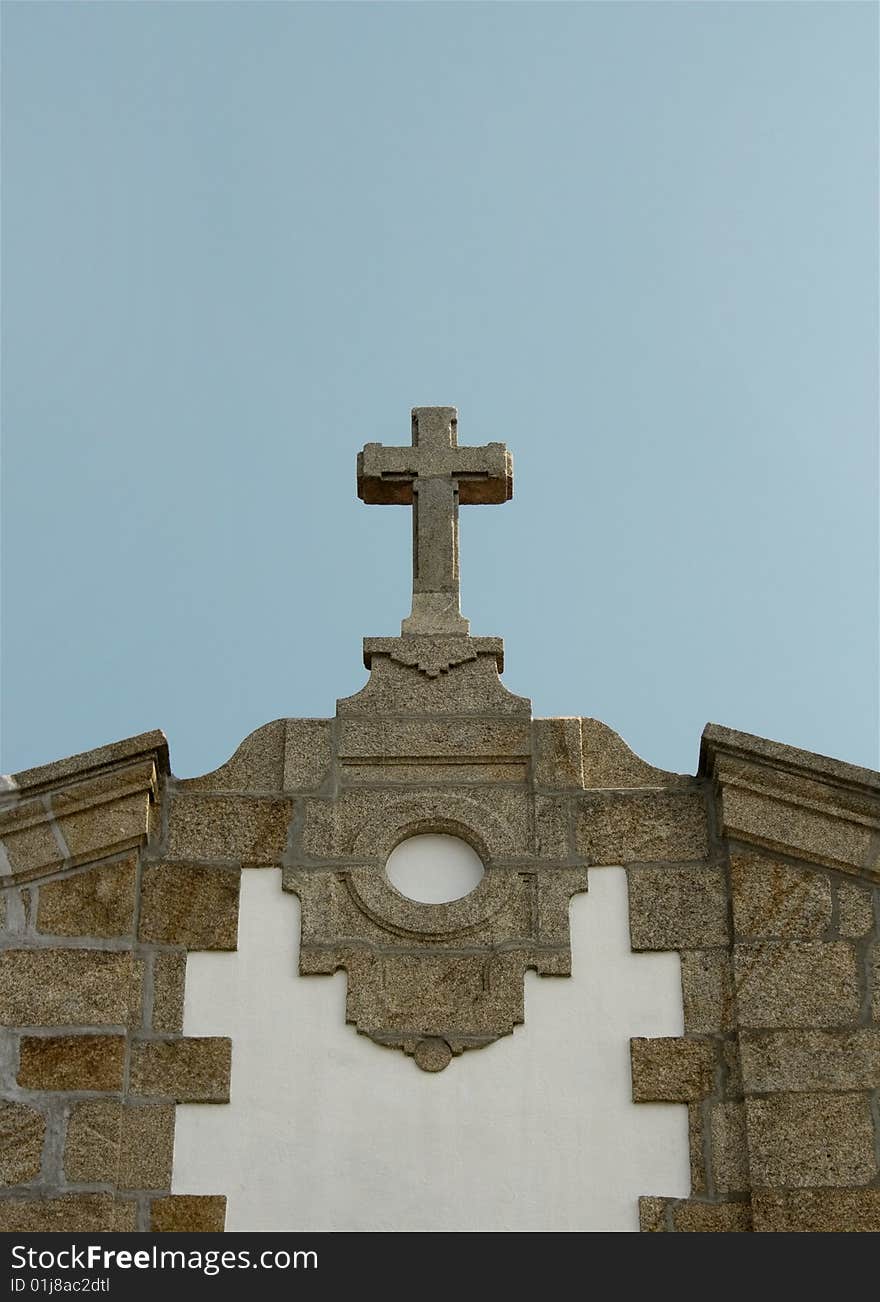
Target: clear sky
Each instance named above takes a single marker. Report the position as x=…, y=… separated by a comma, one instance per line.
x=637, y=242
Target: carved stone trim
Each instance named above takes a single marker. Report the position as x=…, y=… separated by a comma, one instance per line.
x=81, y=809
x=807, y=806
x=433, y=655
x=423, y=750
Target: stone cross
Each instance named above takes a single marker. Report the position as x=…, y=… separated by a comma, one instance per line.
x=434, y=477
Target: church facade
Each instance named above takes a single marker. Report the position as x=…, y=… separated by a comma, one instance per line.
x=759, y=876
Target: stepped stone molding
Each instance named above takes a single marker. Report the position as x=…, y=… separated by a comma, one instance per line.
x=434, y=743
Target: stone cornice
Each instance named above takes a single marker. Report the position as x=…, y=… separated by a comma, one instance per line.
x=789, y=800
x=81, y=809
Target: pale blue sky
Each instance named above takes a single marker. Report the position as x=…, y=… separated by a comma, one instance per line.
x=637, y=242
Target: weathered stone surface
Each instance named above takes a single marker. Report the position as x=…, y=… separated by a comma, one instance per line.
x=874, y=970
x=652, y=1215
x=755, y=752
x=402, y=988
x=641, y=827
x=707, y=991
x=432, y=1054
x=250, y=831
x=72, y=1062
x=824, y=838
x=335, y=910
x=398, y=685
x=775, y=1061
x=189, y=1070
x=472, y=742
x=435, y=656
x=558, y=762
x=190, y=904
x=797, y=983
x=730, y=1163
x=791, y=801
x=608, y=763
x=307, y=756
x=97, y=902
x=169, y=981
x=369, y=824
x=431, y=772
x=105, y=828
x=436, y=475
x=188, y=1214
x=551, y=831
x=697, y=1127
x=732, y=1085
x=855, y=906
x=128, y=1145
x=811, y=1139
x=93, y=814
x=31, y=849
x=693, y=1217
x=114, y=758
x=90, y=817
x=66, y=987
x=677, y=907
x=72, y=1213
x=672, y=1070
x=774, y=899
x=439, y=995
x=92, y=1151
x=257, y=765
x=22, y=1130
x=136, y=992
x=712, y=1218
x=818, y=1211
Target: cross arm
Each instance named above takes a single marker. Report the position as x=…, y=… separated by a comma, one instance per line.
x=484, y=474
x=385, y=475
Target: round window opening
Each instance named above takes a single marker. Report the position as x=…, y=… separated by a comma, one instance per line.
x=434, y=869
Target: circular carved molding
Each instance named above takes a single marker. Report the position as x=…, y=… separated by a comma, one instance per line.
x=435, y=811
x=374, y=893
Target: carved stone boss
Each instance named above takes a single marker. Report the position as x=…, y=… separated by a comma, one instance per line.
x=434, y=743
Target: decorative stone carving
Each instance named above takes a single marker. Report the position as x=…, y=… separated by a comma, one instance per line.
x=433, y=979
x=79, y=810
x=780, y=798
x=434, y=655
x=434, y=743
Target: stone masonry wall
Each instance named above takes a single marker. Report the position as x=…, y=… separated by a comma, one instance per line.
x=92, y=1060
x=761, y=871
x=780, y=1062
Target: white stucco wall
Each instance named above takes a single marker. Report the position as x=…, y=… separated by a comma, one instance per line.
x=328, y=1131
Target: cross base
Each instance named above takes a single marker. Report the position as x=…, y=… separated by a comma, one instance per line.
x=434, y=612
